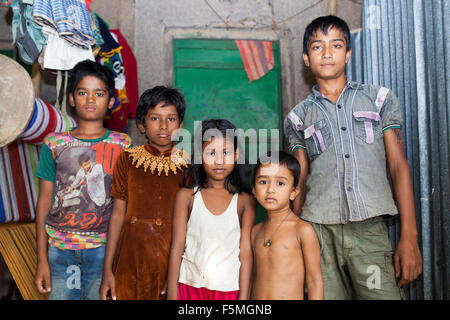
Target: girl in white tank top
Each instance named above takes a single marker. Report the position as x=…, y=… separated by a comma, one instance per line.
x=211, y=255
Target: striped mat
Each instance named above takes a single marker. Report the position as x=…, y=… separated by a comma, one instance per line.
x=18, y=248
x=18, y=185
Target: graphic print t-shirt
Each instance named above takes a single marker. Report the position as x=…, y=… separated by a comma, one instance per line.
x=82, y=173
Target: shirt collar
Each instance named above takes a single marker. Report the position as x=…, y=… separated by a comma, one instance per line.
x=156, y=152
x=350, y=84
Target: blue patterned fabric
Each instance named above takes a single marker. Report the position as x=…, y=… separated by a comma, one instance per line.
x=70, y=18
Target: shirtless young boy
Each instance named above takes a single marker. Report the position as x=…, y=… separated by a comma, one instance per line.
x=285, y=248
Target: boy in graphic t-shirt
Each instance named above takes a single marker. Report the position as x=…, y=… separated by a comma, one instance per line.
x=75, y=171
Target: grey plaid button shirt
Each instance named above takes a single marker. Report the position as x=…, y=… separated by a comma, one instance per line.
x=347, y=160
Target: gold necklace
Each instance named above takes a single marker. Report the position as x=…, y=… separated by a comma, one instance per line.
x=268, y=243
x=141, y=156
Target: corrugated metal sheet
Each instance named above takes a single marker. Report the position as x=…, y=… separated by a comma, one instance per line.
x=405, y=45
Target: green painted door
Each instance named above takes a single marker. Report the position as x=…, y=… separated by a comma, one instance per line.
x=211, y=75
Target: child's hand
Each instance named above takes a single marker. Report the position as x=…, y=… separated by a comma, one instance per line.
x=164, y=289
x=407, y=260
x=108, y=285
x=42, y=278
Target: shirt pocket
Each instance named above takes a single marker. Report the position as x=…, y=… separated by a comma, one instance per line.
x=316, y=139
x=367, y=126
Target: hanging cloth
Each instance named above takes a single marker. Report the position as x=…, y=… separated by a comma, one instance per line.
x=70, y=18
x=61, y=55
x=257, y=57
x=131, y=73
x=116, y=119
x=110, y=46
x=110, y=55
x=27, y=35
x=96, y=31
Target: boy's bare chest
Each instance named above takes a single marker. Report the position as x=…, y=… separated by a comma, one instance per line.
x=282, y=260
x=283, y=243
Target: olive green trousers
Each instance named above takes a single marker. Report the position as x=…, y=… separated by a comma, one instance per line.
x=357, y=261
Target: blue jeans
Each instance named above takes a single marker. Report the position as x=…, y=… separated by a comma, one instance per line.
x=75, y=274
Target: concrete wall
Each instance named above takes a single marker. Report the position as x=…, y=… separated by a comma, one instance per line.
x=158, y=22
x=5, y=26
x=155, y=18
x=150, y=25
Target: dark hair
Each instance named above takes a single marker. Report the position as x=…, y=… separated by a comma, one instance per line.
x=284, y=159
x=323, y=24
x=91, y=68
x=83, y=158
x=151, y=97
x=195, y=175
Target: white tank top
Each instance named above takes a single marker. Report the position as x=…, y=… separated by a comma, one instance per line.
x=211, y=253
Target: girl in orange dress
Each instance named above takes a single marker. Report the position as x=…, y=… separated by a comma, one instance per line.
x=145, y=181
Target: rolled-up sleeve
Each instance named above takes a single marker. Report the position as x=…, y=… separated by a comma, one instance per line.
x=391, y=115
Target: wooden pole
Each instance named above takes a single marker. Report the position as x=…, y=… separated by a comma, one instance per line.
x=36, y=78
x=332, y=7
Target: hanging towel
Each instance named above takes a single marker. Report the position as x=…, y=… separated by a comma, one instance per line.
x=257, y=57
